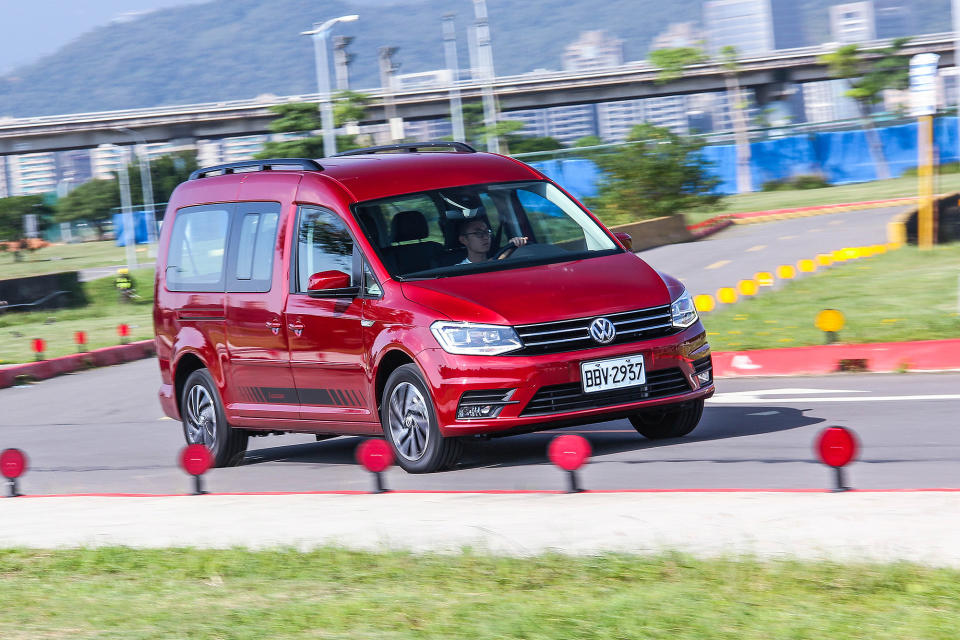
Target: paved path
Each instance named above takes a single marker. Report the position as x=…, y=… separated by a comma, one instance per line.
x=741, y=250
x=918, y=527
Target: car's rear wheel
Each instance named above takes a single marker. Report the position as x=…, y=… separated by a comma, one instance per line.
x=409, y=423
x=204, y=421
x=671, y=421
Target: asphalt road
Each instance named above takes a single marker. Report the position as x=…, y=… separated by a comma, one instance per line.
x=103, y=431
x=739, y=251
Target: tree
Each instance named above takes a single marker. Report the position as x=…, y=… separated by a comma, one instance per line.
x=868, y=79
x=672, y=61
x=588, y=141
x=166, y=172
x=661, y=174
x=737, y=105
x=92, y=201
x=531, y=144
x=303, y=117
x=12, y=211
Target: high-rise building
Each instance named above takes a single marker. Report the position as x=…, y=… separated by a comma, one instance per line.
x=896, y=19
x=678, y=34
x=593, y=50
x=567, y=124
x=852, y=22
x=752, y=26
x=32, y=173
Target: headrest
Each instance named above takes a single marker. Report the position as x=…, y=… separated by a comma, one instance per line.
x=369, y=226
x=409, y=225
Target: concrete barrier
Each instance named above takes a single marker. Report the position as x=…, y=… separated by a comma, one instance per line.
x=903, y=228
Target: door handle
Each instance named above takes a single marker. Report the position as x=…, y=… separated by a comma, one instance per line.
x=274, y=326
x=296, y=327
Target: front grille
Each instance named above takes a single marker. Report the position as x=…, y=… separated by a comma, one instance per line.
x=571, y=335
x=570, y=397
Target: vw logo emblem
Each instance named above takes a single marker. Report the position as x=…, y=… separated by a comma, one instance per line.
x=603, y=331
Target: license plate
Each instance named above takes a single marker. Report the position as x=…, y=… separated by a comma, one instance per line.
x=613, y=373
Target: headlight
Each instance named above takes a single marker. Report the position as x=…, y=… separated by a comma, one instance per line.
x=683, y=311
x=475, y=339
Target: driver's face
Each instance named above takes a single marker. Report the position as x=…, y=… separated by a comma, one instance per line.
x=476, y=237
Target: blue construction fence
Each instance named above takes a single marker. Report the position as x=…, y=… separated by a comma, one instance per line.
x=140, y=233
x=841, y=157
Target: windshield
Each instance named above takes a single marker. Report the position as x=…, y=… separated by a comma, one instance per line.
x=479, y=228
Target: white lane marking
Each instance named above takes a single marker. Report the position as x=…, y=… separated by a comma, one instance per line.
x=786, y=237
x=718, y=264
x=807, y=395
x=835, y=222
x=764, y=413
x=759, y=247
x=165, y=418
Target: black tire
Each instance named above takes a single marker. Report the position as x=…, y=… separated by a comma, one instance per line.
x=670, y=421
x=228, y=445
x=413, y=433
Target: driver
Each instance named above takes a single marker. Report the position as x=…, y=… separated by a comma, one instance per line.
x=476, y=236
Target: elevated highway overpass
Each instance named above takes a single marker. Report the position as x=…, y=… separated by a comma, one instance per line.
x=765, y=74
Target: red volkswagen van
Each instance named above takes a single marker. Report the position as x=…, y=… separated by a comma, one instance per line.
x=422, y=292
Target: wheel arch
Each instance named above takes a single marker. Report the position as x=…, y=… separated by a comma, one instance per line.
x=186, y=364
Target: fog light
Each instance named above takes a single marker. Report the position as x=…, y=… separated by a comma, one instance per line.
x=475, y=411
x=704, y=376
x=484, y=403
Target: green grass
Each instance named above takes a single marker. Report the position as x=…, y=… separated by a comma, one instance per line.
x=879, y=190
x=67, y=257
x=906, y=294
x=99, y=319
x=133, y=594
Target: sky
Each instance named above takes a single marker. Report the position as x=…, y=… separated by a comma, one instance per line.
x=30, y=30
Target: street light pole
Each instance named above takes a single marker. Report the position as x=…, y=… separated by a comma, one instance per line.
x=450, y=50
x=146, y=184
x=319, y=34
x=485, y=55
x=129, y=233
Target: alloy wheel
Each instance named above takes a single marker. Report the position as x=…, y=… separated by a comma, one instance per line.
x=409, y=424
x=200, y=417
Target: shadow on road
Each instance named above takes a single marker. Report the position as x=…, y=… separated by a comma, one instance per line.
x=606, y=438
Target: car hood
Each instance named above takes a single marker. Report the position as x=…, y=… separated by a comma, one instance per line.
x=543, y=293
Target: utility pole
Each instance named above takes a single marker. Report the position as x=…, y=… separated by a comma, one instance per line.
x=450, y=51
x=387, y=69
x=129, y=233
x=341, y=61
x=485, y=55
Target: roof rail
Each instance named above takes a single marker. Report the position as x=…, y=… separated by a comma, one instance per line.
x=410, y=147
x=305, y=164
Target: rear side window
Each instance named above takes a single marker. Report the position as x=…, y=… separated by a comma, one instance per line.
x=256, y=238
x=198, y=247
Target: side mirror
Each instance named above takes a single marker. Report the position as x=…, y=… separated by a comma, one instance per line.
x=624, y=239
x=325, y=280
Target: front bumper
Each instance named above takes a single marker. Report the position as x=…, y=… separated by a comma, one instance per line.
x=450, y=376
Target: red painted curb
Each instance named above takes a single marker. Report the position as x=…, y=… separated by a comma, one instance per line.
x=105, y=356
x=924, y=355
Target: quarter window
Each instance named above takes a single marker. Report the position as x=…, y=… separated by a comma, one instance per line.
x=197, y=247
x=323, y=244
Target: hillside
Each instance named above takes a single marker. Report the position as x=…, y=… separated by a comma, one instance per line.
x=234, y=49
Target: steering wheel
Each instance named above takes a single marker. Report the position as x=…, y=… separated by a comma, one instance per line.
x=505, y=252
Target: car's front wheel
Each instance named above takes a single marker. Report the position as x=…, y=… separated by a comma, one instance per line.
x=204, y=421
x=410, y=424
x=671, y=421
